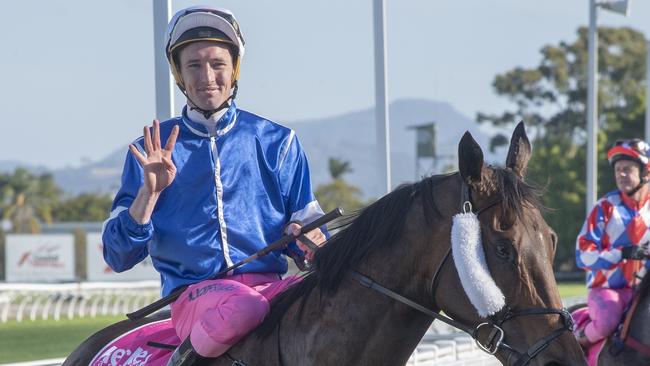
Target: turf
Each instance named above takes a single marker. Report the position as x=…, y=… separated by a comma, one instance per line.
x=572, y=289
x=42, y=339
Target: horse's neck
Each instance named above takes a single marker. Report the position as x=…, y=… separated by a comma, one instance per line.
x=355, y=326
x=364, y=327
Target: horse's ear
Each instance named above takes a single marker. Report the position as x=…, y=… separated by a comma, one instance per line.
x=470, y=159
x=519, y=151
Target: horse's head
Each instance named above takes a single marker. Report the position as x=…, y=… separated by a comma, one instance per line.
x=507, y=281
x=392, y=258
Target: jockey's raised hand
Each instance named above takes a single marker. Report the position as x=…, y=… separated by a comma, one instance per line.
x=158, y=170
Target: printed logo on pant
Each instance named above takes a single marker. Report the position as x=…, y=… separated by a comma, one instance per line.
x=194, y=294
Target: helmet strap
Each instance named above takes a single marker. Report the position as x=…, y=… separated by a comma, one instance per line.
x=644, y=181
x=209, y=112
x=636, y=189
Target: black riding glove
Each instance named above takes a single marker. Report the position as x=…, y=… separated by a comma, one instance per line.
x=636, y=251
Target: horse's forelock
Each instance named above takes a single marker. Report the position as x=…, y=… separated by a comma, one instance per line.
x=521, y=203
x=516, y=196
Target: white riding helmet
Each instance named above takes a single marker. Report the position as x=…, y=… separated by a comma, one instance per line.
x=202, y=23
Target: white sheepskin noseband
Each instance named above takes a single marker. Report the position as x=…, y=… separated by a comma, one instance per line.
x=469, y=259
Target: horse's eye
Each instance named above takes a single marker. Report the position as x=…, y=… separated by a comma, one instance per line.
x=503, y=251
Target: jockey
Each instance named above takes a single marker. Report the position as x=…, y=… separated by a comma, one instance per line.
x=224, y=185
x=613, y=243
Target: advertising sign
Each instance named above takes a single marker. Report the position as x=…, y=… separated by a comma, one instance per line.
x=40, y=258
x=98, y=270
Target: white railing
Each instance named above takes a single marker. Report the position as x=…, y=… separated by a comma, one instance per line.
x=454, y=349
x=48, y=362
x=84, y=299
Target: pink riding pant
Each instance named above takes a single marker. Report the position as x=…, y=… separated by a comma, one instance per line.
x=216, y=314
x=606, y=307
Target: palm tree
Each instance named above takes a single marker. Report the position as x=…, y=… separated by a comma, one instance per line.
x=26, y=199
x=338, y=192
x=338, y=168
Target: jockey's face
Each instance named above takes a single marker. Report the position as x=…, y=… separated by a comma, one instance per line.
x=207, y=71
x=627, y=174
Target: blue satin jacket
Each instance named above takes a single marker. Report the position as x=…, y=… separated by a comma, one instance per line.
x=232, y=195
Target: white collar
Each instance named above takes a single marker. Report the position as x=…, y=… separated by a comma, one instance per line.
x=190, y=116
x=209, y=123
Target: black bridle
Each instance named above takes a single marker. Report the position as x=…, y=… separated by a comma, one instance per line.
x=493, y=325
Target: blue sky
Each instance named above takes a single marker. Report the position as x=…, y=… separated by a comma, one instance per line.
x=78, y=79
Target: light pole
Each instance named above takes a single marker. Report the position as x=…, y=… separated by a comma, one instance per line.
x=381, y=94
x=647, y=93
x=621, y=7
x=164, y=81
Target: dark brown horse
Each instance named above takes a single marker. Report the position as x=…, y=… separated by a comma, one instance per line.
x=340, y=314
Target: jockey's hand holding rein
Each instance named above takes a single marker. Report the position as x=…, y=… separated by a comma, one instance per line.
x=641, y=251
x=316, y=236
x=159, y=171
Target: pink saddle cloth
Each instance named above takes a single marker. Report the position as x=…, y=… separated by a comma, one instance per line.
x=132, y=348
x=580, y=318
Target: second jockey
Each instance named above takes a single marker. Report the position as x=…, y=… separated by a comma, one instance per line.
x=613, y=243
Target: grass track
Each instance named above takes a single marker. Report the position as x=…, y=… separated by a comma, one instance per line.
x=571, y=289
x=41, y=339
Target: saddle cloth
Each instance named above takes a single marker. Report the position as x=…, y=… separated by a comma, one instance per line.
x=580, y=318
x=131, y=348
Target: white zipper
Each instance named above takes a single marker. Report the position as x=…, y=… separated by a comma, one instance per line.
x=219, y=186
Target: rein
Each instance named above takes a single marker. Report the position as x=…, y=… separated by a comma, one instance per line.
x=495, y=340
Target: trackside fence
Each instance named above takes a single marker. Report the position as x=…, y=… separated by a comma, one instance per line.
x=22, y=301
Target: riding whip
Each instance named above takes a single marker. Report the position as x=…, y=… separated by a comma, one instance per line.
x=280, y=243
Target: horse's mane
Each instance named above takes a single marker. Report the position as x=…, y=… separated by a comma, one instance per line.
x=380, y=225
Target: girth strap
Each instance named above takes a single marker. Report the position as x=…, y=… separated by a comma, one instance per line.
x=235, y=362
x=638, y=346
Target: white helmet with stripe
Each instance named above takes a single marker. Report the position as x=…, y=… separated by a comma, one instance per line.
x=202, y=23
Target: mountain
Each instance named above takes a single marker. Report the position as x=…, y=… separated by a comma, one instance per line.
x=99, y=177
x=11, y=165
x=349, y=136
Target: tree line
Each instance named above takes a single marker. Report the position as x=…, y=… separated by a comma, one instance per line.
x=28, y=199
x=551, y=100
